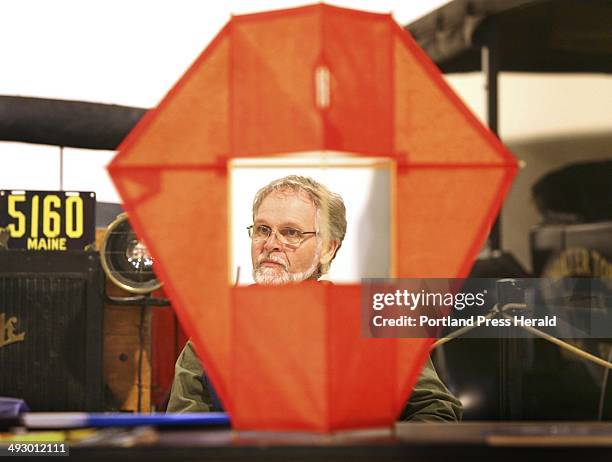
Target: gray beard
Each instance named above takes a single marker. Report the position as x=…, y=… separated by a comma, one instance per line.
x=270, y=276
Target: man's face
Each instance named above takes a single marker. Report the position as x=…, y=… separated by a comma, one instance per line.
x=275, y=262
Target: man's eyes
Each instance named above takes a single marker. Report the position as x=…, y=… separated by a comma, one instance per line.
x=263, y=229
x=290, y=232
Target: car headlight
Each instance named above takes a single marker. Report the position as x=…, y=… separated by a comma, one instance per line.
x=126, y=260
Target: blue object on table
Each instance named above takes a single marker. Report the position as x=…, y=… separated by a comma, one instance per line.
x=193, y=419
x=83, y=419
x=11, y=408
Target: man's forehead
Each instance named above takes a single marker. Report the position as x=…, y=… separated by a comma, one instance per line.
x=287, y=204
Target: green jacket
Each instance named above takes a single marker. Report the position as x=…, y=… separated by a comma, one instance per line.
x=430, y=400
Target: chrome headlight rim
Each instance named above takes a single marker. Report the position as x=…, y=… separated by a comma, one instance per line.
x=111, y=272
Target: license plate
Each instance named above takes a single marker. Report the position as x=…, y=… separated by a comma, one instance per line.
x=47, y=220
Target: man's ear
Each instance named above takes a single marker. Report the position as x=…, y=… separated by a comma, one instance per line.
x=329, y=251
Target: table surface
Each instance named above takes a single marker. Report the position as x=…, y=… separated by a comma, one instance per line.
x=505, y=441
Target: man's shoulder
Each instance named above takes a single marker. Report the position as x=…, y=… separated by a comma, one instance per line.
x=188, y=359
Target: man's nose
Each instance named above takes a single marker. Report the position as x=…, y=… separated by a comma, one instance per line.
x=272, y=243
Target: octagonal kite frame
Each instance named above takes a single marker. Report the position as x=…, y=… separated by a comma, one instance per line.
x=316, y=78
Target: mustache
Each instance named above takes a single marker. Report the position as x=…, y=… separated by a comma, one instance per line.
x=272, y=258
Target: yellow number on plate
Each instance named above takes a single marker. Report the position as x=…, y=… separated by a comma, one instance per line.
x=19, y=230
x=34, y=224
x=52, y=220
x=74, y=217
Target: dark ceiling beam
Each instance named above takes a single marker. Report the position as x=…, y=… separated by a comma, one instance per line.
x=568, y=36
x=75, y=124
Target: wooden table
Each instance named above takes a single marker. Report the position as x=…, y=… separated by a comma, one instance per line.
x=495, y=441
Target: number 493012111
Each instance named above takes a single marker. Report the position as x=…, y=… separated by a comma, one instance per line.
x=47, y=220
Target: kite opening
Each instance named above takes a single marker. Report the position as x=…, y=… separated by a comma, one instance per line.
x=365, y=186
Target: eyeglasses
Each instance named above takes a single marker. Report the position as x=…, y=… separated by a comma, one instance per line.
x=287, y=236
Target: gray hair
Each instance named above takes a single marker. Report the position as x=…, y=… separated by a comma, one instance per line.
x=329, y=205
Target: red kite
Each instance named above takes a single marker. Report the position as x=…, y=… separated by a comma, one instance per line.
x=316, y=78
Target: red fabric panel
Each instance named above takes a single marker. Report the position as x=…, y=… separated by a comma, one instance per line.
x=167, y=222
x=362, y=371
x=135, y=185
x=443, y=218
x=273, y=63
x=190, y=126
x=432, y=125
x=278, y=358
x=299, y=361
x=358, y=51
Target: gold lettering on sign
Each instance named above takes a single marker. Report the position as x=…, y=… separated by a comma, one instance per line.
x=58, y=243
x=602, y=268
x=7, y=331
x=579, y=262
